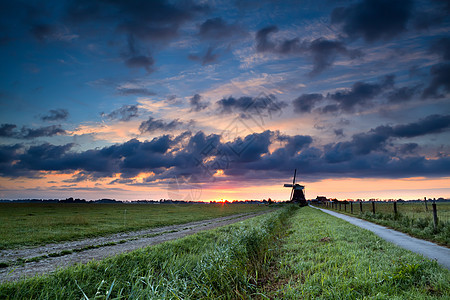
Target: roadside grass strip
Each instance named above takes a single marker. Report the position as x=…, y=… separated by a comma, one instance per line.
x=225, y=263
x=324, y=257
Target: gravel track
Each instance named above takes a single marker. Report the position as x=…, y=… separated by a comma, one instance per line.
x=47, y=258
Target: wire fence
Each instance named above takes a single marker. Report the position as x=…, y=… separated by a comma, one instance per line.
x=439, y=211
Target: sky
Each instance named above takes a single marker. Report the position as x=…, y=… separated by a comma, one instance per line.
x=210, y=100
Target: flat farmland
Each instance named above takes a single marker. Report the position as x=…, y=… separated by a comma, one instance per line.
x=23, y=224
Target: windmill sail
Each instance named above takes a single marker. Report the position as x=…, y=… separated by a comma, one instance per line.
x=297, y=192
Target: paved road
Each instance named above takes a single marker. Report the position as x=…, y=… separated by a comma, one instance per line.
x=427, y=249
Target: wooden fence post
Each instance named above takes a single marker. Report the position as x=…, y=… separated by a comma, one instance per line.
x=351, y=207
x=373, y=207
x=435, y=217
x=360, y=206
x=339, y=205
x=395, y=208
x=345, y=206
x=426, y=205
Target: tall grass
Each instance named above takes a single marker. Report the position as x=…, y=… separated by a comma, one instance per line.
x=324, y=257
x=223, y=263
x=412, y=218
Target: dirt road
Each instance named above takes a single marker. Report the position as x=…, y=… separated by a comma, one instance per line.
x=43, y=259
x=425, y=248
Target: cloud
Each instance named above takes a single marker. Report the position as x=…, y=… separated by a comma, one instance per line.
x=373, y=20
x=147, y=20
x=441, y=47
x=56, y=115
x=134, y=59
x=135, y=91
x=250, y=105
x=152, y=125
x=208, y=58
x=402, y=94
x=322, y=51
x=440, y=81
x=306, y=102
x=367, y=154
x=218, y=29
x=8, y=131
x=124, y=113
x=358, y=95
x=347, y=100
x=197, y=104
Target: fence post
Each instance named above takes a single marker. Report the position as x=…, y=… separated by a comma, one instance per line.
x=351, y=207
x=435, y=217
x=426, y=205
x=340, y=205
x=360, y=206
x=345, y=206
x=395, y=208
x=373, y=207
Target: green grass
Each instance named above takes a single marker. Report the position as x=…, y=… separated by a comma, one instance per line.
x=412, y=218
x=36, y=224
x=223, y=263
x=324, y=257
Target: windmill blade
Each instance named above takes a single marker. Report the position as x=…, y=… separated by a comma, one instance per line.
x=292, y=192
x=288, y=185
x=295, y=173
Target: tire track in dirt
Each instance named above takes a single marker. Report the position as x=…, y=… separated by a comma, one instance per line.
x=47, y=258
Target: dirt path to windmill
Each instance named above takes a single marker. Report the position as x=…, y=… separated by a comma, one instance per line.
x=44, y=259
x=427, y=249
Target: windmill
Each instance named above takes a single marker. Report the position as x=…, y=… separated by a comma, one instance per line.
x=297, y=194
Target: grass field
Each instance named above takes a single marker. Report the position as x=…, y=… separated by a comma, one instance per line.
x=291, y=253
x=327, y=258
x=35, y=224
x=412, y=218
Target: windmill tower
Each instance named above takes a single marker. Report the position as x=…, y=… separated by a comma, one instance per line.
x=297, y=194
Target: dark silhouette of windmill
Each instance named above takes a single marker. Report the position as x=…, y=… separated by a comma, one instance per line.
x=297, y=194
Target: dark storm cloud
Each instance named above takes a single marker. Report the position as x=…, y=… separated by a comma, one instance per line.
x=366, y=154
x=135, y=91
x=9, y=131
x=402, y=94
x=441, y=47
x=408, y=148
x=153, y=124
x=197, y=104
x=358, y=95
x=56, y=115
x=373, y=19
x=147, y=20
x=440, y=81
x=134, y=58
x=124, y=113
x=208, y=58
x=218, y=29
x=322, y=51
x=428, y=125
x=250, y=105
x=306, y=102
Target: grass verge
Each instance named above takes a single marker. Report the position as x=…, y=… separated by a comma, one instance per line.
x=223, y=263
x=411, y=219
x=324, y=257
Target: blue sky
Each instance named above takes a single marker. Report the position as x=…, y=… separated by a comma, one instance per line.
x=224, y=99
